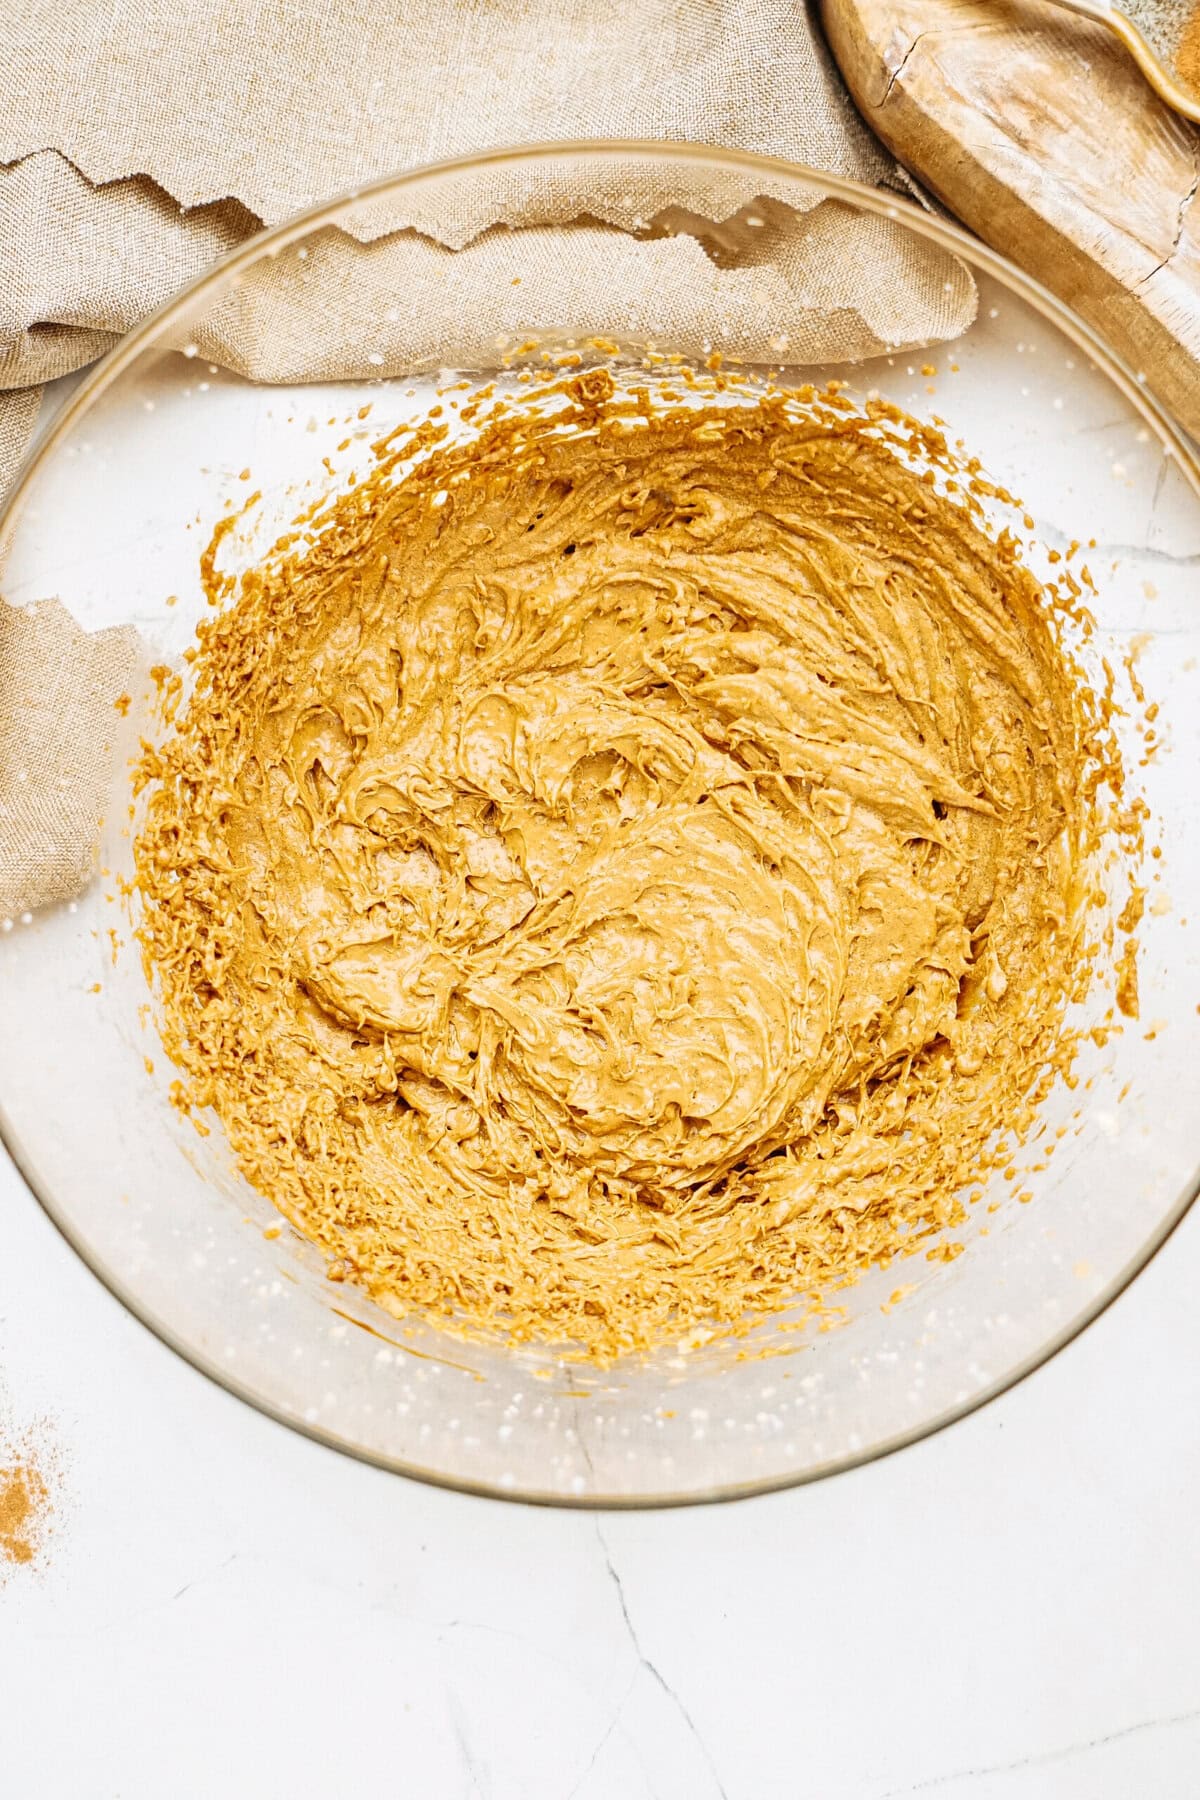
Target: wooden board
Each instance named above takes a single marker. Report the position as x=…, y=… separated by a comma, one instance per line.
x=1035, y=128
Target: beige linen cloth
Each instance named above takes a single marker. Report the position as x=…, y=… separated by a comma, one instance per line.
x=141, y=139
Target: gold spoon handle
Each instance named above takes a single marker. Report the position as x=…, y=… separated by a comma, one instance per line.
x=1164, y=81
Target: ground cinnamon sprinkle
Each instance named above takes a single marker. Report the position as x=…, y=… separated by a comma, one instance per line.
x=1187, y=57
x=1171, y=28
x=25, y=1505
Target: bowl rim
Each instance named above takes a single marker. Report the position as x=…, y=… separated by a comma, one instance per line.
x=883, y=204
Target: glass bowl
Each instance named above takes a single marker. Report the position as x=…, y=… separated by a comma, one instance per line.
x=254, y=379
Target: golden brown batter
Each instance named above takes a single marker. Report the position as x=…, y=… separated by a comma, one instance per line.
x=614, y=881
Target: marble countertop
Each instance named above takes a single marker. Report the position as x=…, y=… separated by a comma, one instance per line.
x=1009, y=1611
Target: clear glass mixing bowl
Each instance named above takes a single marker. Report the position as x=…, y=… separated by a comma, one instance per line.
x=262, y=367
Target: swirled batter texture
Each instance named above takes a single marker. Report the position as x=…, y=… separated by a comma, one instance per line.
x=618, y=875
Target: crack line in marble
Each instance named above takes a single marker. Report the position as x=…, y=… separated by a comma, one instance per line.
x=458, y=1725
x=651, y=1668
x=1041, y=1758
x=602, y=1740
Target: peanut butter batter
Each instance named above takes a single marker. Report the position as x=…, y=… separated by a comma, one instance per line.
x=614, y=876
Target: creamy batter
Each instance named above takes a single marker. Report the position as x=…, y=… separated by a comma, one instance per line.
x=613, y=881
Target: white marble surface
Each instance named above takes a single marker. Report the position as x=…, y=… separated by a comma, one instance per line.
x=1010, y=1611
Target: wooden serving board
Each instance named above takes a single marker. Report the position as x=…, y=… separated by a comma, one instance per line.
x=1036, y=129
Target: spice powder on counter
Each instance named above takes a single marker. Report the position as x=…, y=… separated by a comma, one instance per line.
x=25, y=1505
x=617, y=874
